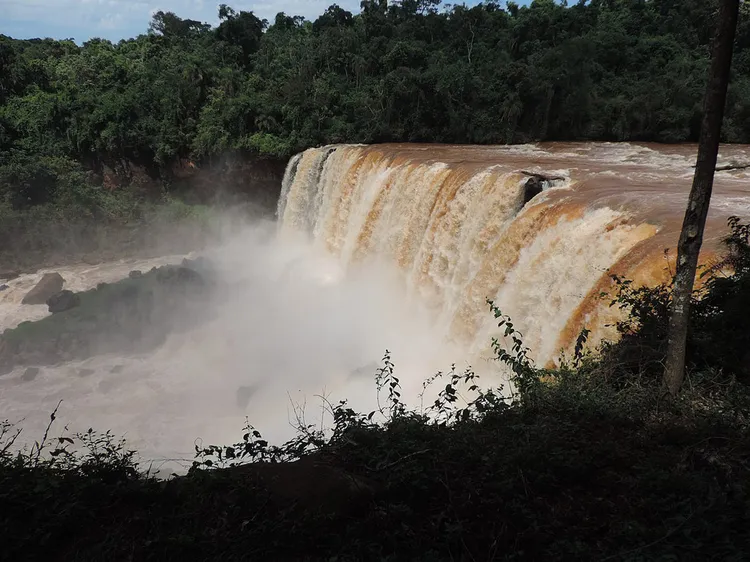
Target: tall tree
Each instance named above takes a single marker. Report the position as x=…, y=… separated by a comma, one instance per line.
x=694, y=222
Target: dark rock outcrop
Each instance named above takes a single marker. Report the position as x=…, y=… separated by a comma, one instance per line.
x=135, y=274
x=203, y=267
x=62, y=301
x=50, y=284
x=6, y=357
x=531, y=189
x=129, y=316
x=8, y=275
x=536, y=184
x=179, y=276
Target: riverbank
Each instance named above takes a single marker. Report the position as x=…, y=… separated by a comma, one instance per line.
x=109, y=214
x=128, y=316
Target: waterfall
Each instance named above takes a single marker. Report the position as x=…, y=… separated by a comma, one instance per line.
x=453, y=220
x=382, y=247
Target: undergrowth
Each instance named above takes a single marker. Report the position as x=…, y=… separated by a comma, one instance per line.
x=587, y=461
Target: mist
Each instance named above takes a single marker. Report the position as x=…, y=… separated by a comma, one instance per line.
x=287, y=326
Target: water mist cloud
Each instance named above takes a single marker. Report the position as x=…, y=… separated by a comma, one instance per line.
x=286, y=325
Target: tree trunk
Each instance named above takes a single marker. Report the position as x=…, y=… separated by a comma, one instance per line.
x=694, y=223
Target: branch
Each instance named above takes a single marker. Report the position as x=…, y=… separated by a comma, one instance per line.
x=726, y=167
x=732, y=167
x=543, y=177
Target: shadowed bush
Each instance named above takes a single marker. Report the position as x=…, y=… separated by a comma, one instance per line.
x=718, y=345
x=587, y=461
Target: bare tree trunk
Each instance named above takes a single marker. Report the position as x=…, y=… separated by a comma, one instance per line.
x=694, y=223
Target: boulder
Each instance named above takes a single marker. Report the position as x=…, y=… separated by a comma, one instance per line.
x=538, y=183
x=62, y=301
x=533, y=187
x=178, y=275
x=203, y=266
x=50, y=284
x=135, y=274
x=3, y=287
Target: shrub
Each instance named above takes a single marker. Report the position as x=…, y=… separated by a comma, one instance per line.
x=719, y=333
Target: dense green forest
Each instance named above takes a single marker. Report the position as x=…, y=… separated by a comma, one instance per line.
x=409, y=70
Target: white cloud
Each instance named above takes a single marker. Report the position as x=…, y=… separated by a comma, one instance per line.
x=116, y=19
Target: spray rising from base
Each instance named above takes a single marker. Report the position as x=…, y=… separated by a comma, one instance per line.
x=288, y=326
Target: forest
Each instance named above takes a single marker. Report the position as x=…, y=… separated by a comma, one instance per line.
x=588, y=460
x=408, y=70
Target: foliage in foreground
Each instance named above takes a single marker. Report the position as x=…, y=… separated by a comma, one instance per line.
x=588, y=461
x=718, y=343
x=581, y=471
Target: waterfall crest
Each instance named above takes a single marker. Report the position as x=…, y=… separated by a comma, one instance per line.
x=453, y=220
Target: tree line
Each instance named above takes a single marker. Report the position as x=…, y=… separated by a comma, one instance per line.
x=407, y=71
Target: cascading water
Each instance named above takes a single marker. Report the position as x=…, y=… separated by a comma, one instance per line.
x=453, y=220
x=378, y=247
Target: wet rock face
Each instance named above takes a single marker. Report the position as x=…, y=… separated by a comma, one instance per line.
x=533, y=187
x=49, y=285
x=62, y=301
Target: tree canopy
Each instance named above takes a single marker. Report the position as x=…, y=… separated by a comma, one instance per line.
x=408, y=70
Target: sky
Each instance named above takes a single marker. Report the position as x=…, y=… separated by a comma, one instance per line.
x=118, y=19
